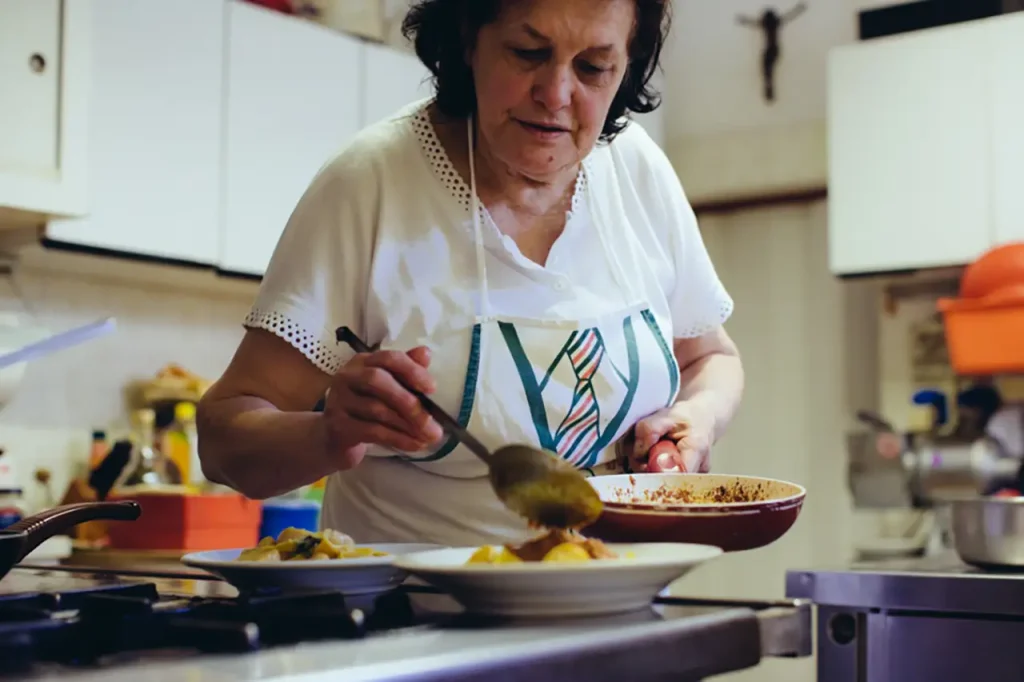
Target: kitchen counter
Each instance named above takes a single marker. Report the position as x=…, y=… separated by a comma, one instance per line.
x=692, y=644
x=677, y=639
x=933, y=618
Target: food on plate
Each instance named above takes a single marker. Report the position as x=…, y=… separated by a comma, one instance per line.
x=295, y=544
x=555, y=546
x=736, y=491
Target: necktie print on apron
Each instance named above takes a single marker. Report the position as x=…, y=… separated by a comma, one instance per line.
x=581, y=427
x=581, y=434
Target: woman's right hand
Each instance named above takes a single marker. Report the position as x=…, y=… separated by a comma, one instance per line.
x=368, y=404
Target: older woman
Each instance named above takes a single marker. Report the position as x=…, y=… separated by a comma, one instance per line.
x=515, y=247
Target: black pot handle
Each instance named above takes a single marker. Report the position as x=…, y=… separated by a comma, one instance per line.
x=46, y=524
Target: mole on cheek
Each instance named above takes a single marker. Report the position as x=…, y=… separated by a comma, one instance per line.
x=550, y=159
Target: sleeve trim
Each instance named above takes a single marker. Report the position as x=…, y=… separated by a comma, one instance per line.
x=327, y=359
x=708, y=322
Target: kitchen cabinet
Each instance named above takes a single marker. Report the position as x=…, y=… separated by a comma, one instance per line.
x=154, y=132
x=392, y=79
x=910, y=171
x=292, y=99
x=44, y=65
x=1007, y=132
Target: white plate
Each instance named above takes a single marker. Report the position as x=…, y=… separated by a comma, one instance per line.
x=350, y=576
x=537, y=589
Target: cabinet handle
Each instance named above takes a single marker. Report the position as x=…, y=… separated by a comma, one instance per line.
x=37, y=63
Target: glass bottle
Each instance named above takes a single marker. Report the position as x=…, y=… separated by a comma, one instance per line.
x=150, y=465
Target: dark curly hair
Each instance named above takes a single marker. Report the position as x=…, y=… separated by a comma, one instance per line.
x=438, y=29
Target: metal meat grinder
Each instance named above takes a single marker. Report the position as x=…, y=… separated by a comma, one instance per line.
x=926, y=470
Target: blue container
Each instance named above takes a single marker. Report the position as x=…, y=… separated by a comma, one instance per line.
x=281, y=514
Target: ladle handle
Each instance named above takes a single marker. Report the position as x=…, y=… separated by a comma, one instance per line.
x=447, y=422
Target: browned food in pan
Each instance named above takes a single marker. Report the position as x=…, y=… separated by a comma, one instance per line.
x=735, y=492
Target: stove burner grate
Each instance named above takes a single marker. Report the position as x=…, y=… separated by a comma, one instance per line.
x=88, y=627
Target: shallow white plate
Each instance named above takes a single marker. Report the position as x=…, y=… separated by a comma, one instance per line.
x=350, y=576
x=537, y=589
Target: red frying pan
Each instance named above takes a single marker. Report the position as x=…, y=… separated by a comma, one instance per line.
x=732, y=512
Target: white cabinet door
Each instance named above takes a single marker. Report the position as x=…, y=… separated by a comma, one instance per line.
x=909, y=157
x=44, y=53
x=1007, y=142
x=293, y=100
x=30, y=81
x=156, y=112
x=392, y=80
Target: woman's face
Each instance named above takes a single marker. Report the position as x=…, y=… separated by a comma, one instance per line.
x=546, y=72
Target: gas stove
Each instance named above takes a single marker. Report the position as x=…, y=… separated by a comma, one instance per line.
x=110, y=627
x=53, y=619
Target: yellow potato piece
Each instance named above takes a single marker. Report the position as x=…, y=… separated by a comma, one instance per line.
x=337, y=538
x=292, y=533
x=484, y=555
x=361, y=552
x=328, y=549
x=567, y=551
x=505, y=556
x=295, y=544
x=260, y=554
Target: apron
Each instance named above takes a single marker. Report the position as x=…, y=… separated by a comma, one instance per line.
x=572, y=386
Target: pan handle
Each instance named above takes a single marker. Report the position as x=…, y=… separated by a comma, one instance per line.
x=46, y=524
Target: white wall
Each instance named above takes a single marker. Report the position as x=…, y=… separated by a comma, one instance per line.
x=66, y=395
x=724, y=139
x=715, y=75
x=808, y=345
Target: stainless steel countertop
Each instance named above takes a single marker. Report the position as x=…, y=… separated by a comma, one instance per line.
x=942, y=583
x=678, y=639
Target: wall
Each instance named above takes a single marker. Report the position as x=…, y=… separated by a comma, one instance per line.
x=64, y=396
x=809, y=353
x=724, y=139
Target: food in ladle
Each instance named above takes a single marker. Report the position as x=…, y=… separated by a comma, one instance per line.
x=559, y=546
x=295, y=544
x=561, y=499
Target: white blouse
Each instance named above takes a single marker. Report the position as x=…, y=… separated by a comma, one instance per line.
x=382, y=241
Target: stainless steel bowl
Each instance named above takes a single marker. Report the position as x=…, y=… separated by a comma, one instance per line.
x=988, y=532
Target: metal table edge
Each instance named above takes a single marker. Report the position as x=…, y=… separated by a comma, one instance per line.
x=908, y=590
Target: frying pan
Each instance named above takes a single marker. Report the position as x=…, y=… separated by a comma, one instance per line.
x=17, y=540
x=767, y=510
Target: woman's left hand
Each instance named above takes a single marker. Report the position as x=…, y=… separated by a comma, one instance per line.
x=687, y=431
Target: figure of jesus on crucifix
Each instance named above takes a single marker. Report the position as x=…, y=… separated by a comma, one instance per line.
x=769, y=23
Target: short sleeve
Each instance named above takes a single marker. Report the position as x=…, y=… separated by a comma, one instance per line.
x=698, y=301
x=317, y=278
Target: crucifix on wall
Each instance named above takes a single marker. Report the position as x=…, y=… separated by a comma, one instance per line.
x=769, y=23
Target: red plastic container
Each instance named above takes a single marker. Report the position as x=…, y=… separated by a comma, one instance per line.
x=188, y=523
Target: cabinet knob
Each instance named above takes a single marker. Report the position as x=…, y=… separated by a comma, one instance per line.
x=37, y=63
